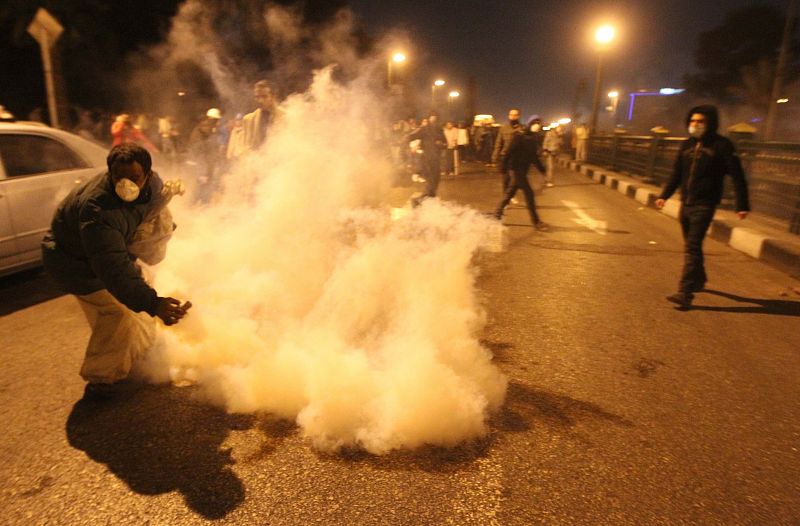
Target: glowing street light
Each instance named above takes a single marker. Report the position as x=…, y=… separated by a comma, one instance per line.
x=603, y=36
x=450, y=97
x=436, y=84
x=397, y=58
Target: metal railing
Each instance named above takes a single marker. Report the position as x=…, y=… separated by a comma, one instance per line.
x=772, y=168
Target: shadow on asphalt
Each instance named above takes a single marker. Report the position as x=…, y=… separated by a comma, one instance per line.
x=160, y=439
x=757, y=306
x=26, y=289
x=526, y=405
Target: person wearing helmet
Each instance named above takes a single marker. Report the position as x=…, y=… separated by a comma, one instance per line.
x=205, y=153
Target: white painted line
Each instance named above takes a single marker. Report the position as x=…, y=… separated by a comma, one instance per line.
x=747, y=240
x=584, y=219
x=643, y=195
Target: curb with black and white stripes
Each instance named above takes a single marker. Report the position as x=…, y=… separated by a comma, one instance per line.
x=755, y=244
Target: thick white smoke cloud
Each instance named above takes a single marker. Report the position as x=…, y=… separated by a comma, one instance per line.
x=312, y=303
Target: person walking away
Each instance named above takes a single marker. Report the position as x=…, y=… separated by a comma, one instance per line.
x=552, y=145
x=523, y=152
x=432, y=142
x=87, y=252
x=699, y=171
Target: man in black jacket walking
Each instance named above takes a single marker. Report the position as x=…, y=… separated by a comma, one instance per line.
x=700, y=167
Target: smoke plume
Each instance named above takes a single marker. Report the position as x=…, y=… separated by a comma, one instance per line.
x=313, y=301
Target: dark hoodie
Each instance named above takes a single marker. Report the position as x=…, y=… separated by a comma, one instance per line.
x=701, y=165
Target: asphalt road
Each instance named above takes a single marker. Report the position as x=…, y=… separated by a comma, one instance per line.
x=621, y=409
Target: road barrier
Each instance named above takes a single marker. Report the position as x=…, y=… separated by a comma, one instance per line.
x=772, y=168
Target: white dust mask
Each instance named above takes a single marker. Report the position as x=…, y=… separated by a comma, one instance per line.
x=127, y=190
x=696, y=131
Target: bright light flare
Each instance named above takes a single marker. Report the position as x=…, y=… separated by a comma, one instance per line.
x=604, y=34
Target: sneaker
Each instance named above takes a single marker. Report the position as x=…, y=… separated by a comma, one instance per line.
x=683, y=299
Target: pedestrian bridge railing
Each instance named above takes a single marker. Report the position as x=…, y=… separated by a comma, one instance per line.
x=772, y=168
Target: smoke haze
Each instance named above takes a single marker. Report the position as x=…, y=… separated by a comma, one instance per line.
x=311, y=301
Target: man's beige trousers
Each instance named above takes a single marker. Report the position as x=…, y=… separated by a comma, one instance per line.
x=119, y=336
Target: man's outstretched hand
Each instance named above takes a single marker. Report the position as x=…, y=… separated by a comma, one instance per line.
x=170, y=310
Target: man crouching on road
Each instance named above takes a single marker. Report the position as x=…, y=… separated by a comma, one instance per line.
x=87, y=252
x=700, y=167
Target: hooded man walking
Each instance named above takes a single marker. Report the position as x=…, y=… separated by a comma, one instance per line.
x=89, y=253
x=700, y=167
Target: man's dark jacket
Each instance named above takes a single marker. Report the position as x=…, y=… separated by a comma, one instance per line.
x=701, y=165
x=86, y=248
x=502, y=145
x=432, y=140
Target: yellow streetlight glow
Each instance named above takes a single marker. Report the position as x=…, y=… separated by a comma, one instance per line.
x=399, y=57
x=454, y=94
x=604, y=34
x=613, y=94
x=439, y=82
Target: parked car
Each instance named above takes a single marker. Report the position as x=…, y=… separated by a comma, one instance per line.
x=39, y=166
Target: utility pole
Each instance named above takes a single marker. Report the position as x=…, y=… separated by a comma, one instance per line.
x=780, y=72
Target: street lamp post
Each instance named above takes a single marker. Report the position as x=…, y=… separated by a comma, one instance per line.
x=603, y=36
x=450, y=97
x=436, y=84
x=397, y=58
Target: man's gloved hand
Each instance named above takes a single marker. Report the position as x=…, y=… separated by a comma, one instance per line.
x=170, y=310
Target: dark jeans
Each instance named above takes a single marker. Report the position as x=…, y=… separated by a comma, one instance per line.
x=695, y=220
x=430, y=170
x=518, y=180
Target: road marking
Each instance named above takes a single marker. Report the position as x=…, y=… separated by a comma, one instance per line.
x=585, y=219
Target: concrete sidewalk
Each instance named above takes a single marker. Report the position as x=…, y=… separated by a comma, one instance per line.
x=757, y=236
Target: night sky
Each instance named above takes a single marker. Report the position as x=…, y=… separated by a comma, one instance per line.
x=533, y=53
